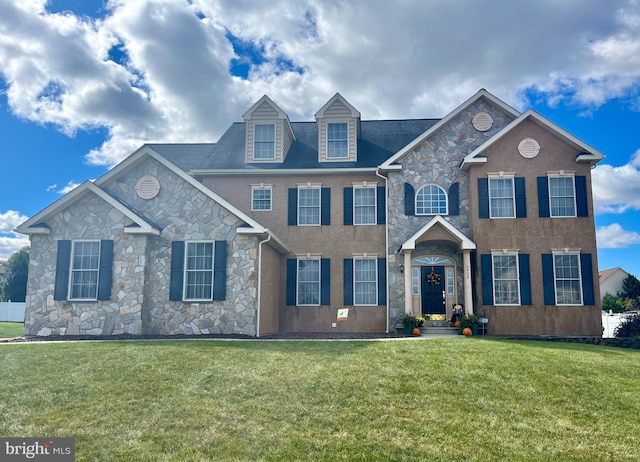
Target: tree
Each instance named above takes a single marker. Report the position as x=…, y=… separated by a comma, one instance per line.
x=613, y=303
x=3, y=263
x=17, y=270
x=630, y=287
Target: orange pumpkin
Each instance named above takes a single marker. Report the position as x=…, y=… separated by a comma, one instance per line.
x=466, y=332
x=456, y=324
x=415, y=331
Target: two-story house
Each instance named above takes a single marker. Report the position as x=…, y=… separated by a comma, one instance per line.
x=280, y=224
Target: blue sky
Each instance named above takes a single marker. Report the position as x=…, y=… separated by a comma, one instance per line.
x=84, y=83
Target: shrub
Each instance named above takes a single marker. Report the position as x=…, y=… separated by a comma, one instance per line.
x=630, y=327
x=613, y=303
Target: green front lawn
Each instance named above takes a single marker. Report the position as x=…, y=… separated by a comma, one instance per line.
x=11, y=329
x=448, y=399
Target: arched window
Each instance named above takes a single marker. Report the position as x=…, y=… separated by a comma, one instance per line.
x=431, y=200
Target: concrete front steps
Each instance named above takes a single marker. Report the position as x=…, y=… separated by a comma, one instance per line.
x=434, y=328
x=438, y=330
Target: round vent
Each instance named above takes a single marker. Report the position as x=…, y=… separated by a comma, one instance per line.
x=147, y=187
x=528, y=148
x=482, y=121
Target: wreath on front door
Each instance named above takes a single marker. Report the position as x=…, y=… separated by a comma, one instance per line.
x=433, y=278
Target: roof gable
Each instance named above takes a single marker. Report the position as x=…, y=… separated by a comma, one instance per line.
x=147, y=152
x=465, y=242
x=588, y=154
x=387, y=165
x=263, y=104
x=337, y=98
x=36, y=225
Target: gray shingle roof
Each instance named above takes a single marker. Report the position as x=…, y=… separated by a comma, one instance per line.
x=379, y=140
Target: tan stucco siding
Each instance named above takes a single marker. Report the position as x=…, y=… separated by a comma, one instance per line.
x=335, y=242
x=534, y=235
x=270, y=291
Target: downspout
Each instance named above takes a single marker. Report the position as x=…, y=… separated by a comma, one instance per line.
x=259, y=291
x=386, y=237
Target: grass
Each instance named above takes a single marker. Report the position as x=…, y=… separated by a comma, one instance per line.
x=448, y=399
x=11, y=329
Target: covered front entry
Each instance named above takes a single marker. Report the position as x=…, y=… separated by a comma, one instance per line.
x=432, y=284
x=433, y=293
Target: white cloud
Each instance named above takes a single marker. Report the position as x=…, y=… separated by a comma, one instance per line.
x=614, y=237
x=11, y=242
x=10, y=220
x=421, y=60
x=71, y=185
x=617, y=189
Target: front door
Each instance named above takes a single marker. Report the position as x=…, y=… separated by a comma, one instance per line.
x=433, y=289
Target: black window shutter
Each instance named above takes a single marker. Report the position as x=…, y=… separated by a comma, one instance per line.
x=325, y=281
x=382, y=205
x=543, y=197
x=382, y=281
x=521, y=197
x=293, y=207
x=292, y=275
x=454, y=199
x=348, y=206
x=588, y=294
x=177, y=270
x=547, y=279
x=220, y=270
x=525, y=279
x=487, y=279
x=325, y=206
x=409, y=200
x=348, y=281
x=105, y=271
x=63, y=259
x=483, y=198
x=582, y=206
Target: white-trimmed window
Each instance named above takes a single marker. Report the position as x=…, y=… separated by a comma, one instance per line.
x=308, y=282
x=506, y=280
x=415, y=281
x=85, y=266
x=337, y=140
x=431, y=200
x=364, y=206
x=264, y=141
x=261, y=198
x=501, y=198
x=365, y=281
x=309, y=206
x=198, y=271
x=562, y=196
x=567, y=276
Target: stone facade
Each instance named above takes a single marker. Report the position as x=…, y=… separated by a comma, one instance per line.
x=88, y=218
x=141, y=268
x=435, y=161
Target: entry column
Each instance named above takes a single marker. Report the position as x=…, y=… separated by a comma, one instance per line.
x=468, y=296
x=408, y=298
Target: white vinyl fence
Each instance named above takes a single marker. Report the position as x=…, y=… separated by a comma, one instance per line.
x=610, y=322
x=12, y=311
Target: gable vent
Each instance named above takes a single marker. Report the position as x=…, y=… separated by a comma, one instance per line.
x=147, y=187
x=528, y=148
x=482, y=121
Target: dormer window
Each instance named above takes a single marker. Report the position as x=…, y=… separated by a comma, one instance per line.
x=268, y=132
x=338, y=125
x=264, y=141
x=337, y=140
